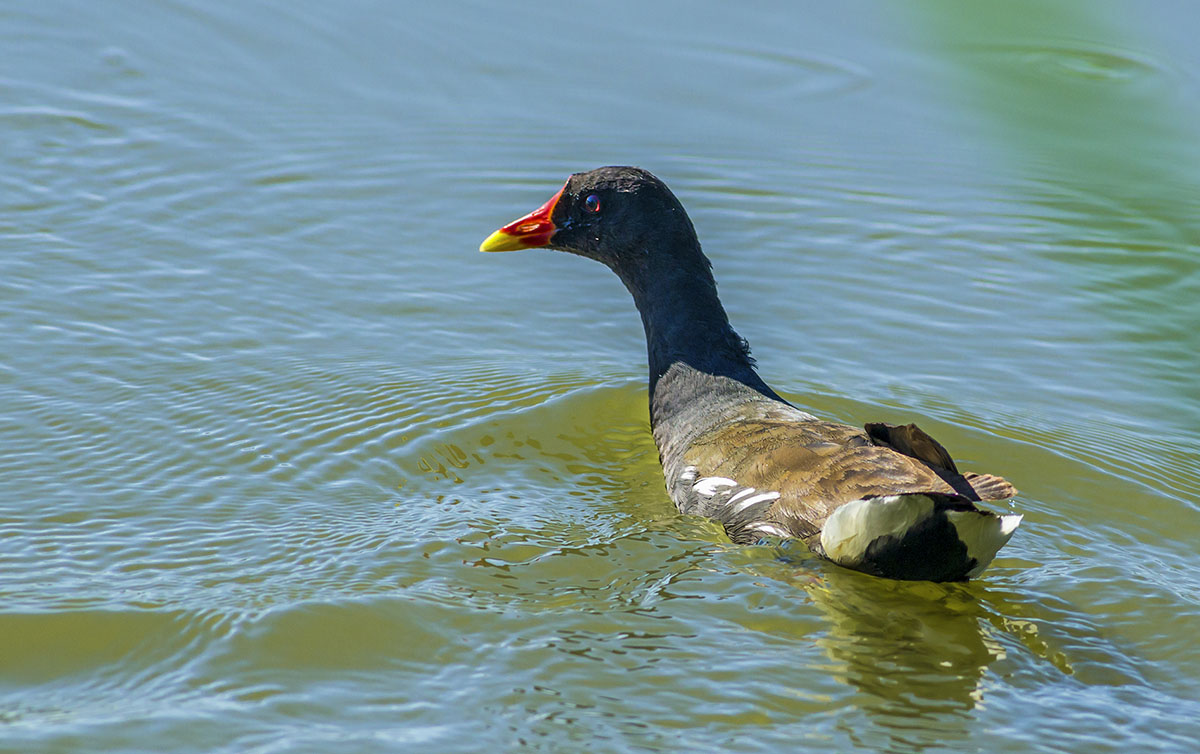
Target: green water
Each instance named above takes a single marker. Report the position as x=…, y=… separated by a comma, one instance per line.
x=287, y=466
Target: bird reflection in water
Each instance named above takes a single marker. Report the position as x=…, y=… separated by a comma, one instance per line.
x=916, y=653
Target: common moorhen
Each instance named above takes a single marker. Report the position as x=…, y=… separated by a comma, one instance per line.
x=887, y=501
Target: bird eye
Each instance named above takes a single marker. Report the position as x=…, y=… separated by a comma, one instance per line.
x=592, y=203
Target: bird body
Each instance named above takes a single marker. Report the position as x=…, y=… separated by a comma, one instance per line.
x=886, y=500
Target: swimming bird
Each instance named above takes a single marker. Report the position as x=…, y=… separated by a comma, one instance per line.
x=886, y=500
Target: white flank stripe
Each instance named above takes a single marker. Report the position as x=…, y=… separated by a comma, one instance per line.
x=759, y=498
x=708, y=486
x=688, y=475
x=771, y=529
x=740, y=495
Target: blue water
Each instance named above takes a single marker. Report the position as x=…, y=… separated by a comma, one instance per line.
x=287, y=466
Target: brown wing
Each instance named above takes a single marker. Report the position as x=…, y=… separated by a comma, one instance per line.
x=912, y=441
x=818, y=466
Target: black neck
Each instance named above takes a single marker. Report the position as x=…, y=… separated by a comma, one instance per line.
x=686, y=325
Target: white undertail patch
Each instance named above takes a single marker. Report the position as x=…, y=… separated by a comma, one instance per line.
x=854, y=526
x=984, y=534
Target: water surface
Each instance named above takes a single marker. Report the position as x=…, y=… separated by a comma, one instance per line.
x=285, y=465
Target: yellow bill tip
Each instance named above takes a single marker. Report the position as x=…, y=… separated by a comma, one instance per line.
x=501, y=241
x=531, y=231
